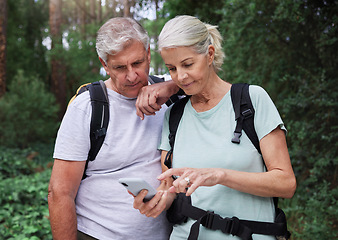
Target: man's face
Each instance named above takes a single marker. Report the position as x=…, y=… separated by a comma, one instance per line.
x=128, y=70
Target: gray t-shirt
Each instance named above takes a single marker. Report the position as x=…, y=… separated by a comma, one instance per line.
x=103, y=206
x=203, y=140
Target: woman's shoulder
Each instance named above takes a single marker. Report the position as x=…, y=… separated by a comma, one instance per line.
x=258, y=93
x=256, y=90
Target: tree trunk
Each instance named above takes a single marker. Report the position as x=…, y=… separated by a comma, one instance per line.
x=92, y=11
x=83, y=18
x=3, y=45
x=58, y=77
x=156, y=32
x=99, y=12
x=126, y=8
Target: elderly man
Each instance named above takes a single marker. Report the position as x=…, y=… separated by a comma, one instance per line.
x=98, y=207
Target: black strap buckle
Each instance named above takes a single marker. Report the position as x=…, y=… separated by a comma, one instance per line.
x=208, y=220
x=247, y=113
x=236, y=137
x=216, y=222
x=100, y=132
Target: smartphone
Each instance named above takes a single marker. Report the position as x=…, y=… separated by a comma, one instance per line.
x=135, y=185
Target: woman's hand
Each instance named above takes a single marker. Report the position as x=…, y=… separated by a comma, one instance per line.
x=278, y=181
x=191, y=178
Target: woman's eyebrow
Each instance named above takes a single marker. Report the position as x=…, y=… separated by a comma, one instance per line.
x=186, y=59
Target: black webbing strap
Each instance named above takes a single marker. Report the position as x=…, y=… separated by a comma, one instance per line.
x=237, y=227
x=99, y=120
x=176, y=113
x=244, y=114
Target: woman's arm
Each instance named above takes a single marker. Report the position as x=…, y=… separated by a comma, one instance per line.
x=278, y=181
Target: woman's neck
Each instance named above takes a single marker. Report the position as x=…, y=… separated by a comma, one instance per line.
x=211, y=95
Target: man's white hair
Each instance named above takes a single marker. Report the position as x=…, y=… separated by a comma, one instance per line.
x=118, y=33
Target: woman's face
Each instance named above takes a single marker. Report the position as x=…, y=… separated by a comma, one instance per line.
x=189, y=70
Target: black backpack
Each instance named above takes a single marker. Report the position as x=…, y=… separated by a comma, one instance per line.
x=181, y=208
x=100, y=114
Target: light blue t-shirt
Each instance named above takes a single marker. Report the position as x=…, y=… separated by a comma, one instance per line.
x=203, y=140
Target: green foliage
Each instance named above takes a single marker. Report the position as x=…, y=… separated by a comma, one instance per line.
x=27, y=21
x=24, y=207
x=27, y=112
x=289, y=47
x=316, y=218
x=153, y=28
x=79, y=58
x=206, y=11
x=14, y=162
x=311, y=111
x=24, y=177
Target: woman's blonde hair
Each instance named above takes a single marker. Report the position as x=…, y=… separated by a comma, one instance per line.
x=189, y=31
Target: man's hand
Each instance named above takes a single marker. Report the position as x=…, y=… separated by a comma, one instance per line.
x=159, y=203
x=151, y=97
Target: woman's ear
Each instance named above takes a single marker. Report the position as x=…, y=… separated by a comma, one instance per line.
x=211, y=54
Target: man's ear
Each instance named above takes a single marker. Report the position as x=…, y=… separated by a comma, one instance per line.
x=104, y=65
x=149, y=55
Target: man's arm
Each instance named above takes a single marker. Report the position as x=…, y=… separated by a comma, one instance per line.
x=64, y=184
x=151, y=97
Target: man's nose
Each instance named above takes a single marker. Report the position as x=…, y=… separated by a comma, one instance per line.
x=131, y=74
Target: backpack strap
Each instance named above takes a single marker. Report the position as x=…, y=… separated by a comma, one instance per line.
x=234, y=226
x=99, y=119
x=176, y=113
x=153, y=79
x=244, y=114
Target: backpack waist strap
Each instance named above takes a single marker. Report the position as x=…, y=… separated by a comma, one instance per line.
x=237, y=227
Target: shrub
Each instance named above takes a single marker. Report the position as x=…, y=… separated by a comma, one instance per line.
x=28, y=112
x=24, y=177
x=14, y=162
x=24, y=207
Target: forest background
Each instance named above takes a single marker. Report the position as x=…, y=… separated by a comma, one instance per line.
x=47, y=50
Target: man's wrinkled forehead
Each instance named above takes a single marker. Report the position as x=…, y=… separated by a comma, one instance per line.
x=126, y=45
x=132, y=52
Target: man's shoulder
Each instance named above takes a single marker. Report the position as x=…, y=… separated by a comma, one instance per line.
x=81, y=101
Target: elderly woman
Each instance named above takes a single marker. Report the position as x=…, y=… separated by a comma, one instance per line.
x=220, y=176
